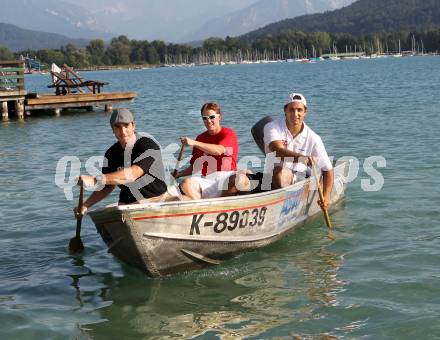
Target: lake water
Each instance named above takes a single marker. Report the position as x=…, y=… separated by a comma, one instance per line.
x=379, y=279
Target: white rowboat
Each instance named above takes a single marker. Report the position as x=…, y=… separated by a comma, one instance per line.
x=167, y=237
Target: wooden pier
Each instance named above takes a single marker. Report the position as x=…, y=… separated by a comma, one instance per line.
x=12, y=91
x=56, y=103
x=69, y=94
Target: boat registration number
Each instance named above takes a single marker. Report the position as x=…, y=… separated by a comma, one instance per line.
x=229, y=221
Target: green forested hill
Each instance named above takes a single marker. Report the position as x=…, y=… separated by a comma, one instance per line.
x=18, y=39
x=362, y=17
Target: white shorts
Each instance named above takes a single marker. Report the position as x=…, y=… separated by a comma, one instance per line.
x=213, y=184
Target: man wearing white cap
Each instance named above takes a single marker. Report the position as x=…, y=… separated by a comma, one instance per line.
x=290, y=139
x=133, y=163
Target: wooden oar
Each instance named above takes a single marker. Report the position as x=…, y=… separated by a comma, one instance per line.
x=179, y=158
x=75, y=243
x=328, y=222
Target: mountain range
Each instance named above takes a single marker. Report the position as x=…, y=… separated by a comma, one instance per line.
x=54, y=16
x=168, y=20
x=165, y=20
x=19, y=39
x=260, y=14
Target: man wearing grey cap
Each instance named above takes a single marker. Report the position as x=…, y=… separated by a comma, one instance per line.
x=134, y=163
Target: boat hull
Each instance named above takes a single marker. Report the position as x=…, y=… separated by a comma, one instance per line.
x=169, y=237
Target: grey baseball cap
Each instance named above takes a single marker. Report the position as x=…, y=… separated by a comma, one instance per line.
x=121, y=116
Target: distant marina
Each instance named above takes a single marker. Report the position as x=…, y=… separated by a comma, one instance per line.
x=296, y=54
x=221, y=61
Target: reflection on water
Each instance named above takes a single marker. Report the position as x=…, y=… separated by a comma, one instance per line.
x=246, y=297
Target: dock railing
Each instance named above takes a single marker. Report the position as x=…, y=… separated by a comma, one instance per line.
x=11, y=77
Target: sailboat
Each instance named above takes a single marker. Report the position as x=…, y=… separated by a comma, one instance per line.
x=398, y=55
x=335, y=53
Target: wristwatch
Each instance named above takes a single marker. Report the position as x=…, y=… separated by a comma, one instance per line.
x=100, y=180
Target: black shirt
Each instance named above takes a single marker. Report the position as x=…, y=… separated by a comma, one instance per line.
x=146, y=154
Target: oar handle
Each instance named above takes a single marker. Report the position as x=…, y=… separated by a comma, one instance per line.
x=179, y=158
x=328, y=222
x=80, y=207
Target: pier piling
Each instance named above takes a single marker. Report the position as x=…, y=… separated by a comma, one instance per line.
x=4, y=110
x=19, y=109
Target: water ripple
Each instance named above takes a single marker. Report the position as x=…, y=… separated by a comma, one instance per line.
x=378, y=279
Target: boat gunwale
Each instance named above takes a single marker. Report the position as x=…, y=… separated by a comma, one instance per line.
x=205, y=201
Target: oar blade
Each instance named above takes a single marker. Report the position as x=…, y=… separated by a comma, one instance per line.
x=76, y=245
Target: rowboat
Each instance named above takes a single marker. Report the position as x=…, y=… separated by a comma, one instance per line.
x=162, y=238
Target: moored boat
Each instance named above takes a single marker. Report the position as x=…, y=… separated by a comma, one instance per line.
x=162, y=238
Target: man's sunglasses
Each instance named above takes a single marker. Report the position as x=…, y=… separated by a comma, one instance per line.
x=209, y=117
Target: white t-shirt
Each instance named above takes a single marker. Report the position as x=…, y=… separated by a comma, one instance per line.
x=307, y=143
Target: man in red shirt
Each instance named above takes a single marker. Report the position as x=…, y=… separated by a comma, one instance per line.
x=214, y=155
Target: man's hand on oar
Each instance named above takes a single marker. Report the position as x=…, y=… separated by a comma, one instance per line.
x=81, y=213
x=85, y=181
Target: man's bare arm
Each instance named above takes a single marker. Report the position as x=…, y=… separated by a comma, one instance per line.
x=281, y=151
x=210, y=149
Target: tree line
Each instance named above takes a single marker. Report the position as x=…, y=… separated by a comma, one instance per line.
x=289, y=44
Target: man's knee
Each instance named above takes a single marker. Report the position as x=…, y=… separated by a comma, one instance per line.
x=190, y=188
x=184, y=185
x=242, y=182
x=282, y=177
x=238, y=182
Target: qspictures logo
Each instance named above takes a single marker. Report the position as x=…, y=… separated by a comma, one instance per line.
x=69, y=168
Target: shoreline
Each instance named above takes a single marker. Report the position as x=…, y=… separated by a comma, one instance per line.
x=265, y=61
x=232, y=62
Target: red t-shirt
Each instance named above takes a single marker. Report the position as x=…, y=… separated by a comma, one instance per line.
x=208, y=163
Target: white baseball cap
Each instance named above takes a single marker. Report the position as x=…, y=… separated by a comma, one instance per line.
x=296, y=97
